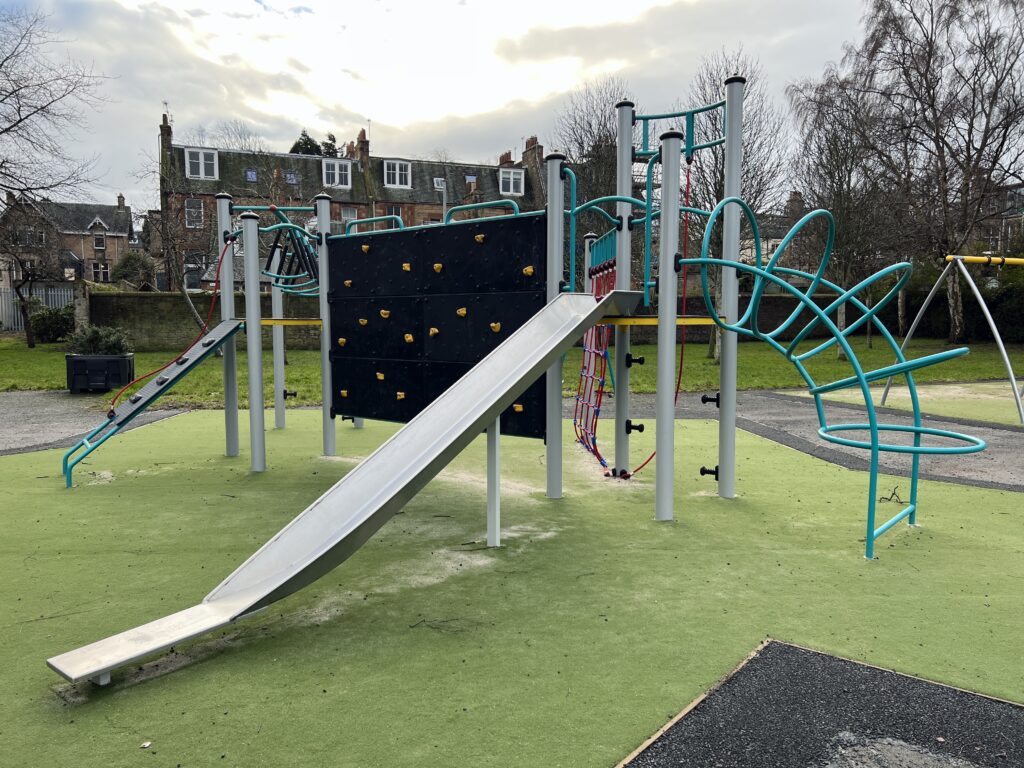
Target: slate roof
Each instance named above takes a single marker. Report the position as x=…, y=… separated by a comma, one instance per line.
x=367, y=182
x=79, y=217
x=272, y=169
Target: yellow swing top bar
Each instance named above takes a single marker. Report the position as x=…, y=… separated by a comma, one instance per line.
x=1009, y=261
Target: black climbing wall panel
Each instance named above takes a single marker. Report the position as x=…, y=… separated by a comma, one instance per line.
x=412, y=312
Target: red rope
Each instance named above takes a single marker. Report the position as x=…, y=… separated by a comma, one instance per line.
x=594, y=369
x=202, y=332
x=682, y=328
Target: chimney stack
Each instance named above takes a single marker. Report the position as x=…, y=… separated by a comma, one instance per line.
x=505, y=159
x=362, y=148
x=120, y=202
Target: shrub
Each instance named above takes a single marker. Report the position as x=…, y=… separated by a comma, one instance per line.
x=99, y=340
x=53, y=324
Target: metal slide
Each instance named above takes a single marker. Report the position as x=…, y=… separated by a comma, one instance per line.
x=150, y=392
x=334, y=526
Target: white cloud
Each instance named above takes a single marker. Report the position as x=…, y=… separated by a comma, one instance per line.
x=472, y=76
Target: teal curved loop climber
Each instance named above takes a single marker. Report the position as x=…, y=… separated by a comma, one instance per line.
x=819, y=319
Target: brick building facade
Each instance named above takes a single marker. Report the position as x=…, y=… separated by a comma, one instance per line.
x=63, y=241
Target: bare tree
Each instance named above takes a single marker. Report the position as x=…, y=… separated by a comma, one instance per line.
x=29, y=248
x=835, y=171
x=43, y=98
x=765, y=157
x=586, y=130
x=945, y=80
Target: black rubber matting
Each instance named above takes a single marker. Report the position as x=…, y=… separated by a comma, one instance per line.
x=788, y=706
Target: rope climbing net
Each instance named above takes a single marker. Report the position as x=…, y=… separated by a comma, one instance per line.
x=594, y=369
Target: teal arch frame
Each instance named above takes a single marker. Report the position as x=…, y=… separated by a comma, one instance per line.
x=818, y=318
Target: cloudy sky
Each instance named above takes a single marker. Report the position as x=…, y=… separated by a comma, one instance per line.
x=471, y=77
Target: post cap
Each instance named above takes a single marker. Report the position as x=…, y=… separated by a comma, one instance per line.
x=625, y=103
x=554, y=156
x=590, y=236
x=673, y=134
x=735, y=79
x=250, y=215
x=222, y=196
x=322, y=196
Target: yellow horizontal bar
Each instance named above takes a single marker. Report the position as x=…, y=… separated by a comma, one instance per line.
x=654, y=321
x=290, y=321
x=1010, y=261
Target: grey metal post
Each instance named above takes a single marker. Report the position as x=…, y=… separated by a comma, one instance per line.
x=553, y=386
x=913, y=325
x=277, y=337
x=254, y=339
x=323, y=224
x=226, y=276
x=588, y=245
x=623, y=253
x=995, y=335
x=730, y=288
x=494, y=483
x=668, y=289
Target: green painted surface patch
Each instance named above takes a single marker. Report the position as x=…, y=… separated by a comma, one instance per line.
x=568, y=646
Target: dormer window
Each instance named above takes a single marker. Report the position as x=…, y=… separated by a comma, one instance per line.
x=201, y=164
x=398, y=173
x=337, y=173
x=99, y=241
x=511, y=181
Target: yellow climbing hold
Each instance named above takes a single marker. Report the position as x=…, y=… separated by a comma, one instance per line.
x=438, y=267
x=341, y=341
x=385, y=313
x=496, y=327
x=406, y=266
x=478, y=238
x=363, y=321
x=366, y=249
x=461, y=312
x=380, y=376
x=517, y=407
x=399, y=395
x=528, y=271
x=434, y=331
x=408, y=338
x=347, y=283
x=344, y=393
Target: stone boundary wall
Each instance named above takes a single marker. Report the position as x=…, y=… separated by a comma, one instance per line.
x=161, y=321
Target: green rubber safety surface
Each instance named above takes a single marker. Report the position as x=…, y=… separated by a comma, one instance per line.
x=585, y=633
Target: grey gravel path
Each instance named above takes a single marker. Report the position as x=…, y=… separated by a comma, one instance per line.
x=33, y=421
x=791, y=421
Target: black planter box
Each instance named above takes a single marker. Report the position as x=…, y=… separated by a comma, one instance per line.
x=99, y=373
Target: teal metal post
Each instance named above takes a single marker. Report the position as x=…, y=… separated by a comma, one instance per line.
x=588, y=246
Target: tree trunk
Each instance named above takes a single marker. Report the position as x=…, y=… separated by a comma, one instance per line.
x=957, y=328
x=901, y=313
x=841, y=322
x=23, y=308
x=191, y=307
x=869, y=324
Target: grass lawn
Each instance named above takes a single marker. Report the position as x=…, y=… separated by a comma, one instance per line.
x=980, y=400
x=760, y=367
x=567, y=647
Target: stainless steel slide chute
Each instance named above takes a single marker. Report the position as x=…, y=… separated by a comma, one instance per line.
x=334, y=526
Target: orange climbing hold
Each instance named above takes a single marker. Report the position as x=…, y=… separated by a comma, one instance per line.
x=461, y=312
x=408, y=338
x=478, y=238
x=496, y=327
x=363, y=321
x=528, y=271
x=434, y=331
x=342, y=341
x=385, y=313
x=366, y=249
